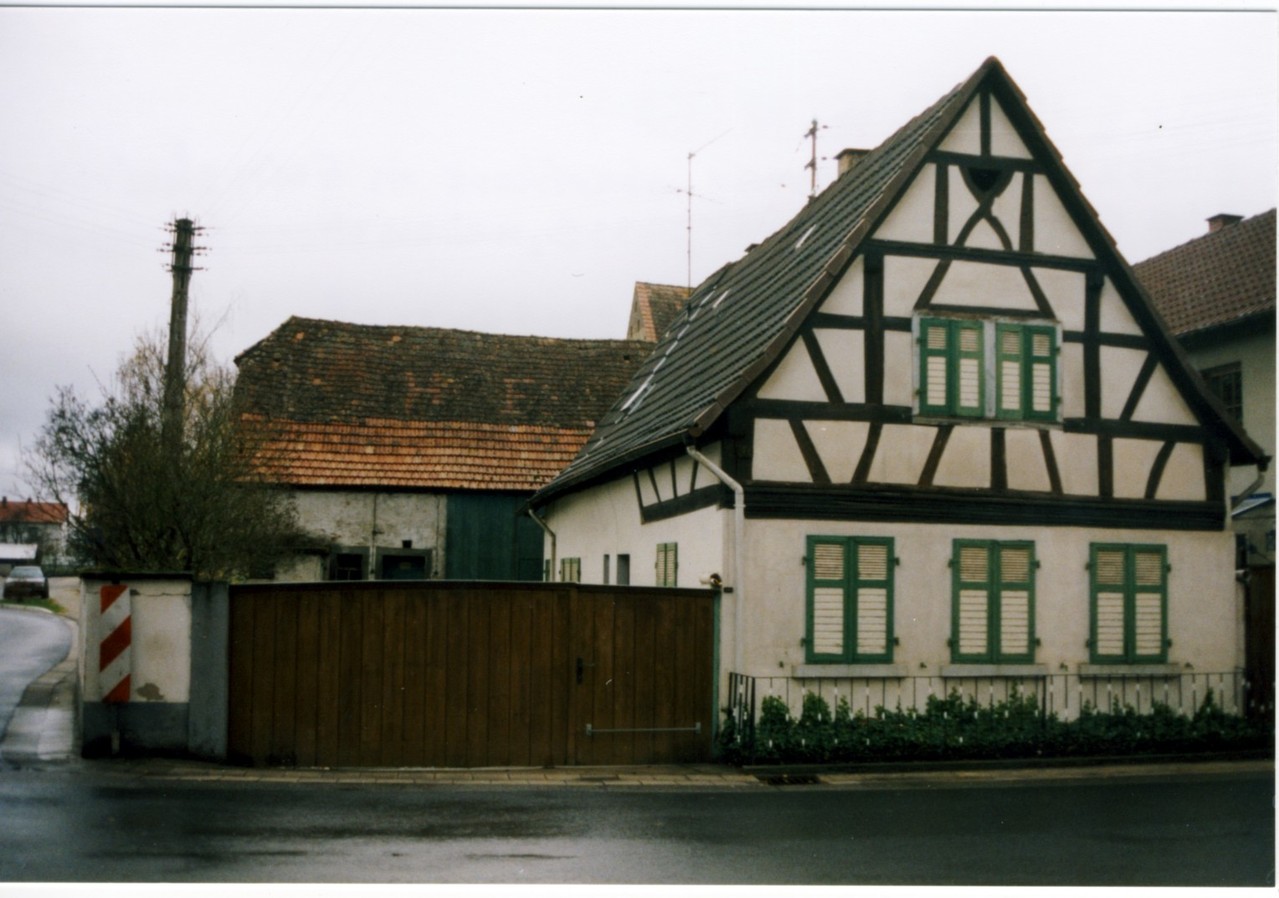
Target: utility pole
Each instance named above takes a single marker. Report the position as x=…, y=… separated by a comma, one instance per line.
x=175, y=365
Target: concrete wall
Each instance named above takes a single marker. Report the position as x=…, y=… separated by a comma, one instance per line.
x=372, y=521
x=176, y=663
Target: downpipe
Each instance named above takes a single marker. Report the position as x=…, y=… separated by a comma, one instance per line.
x=739, y=530
x=551, y=533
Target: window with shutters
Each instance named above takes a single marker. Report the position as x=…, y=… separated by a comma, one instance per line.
x=850, y=599
x=1129, y=603
x=667, y=564
x=993, y=602
x=571, y=570
x=970, y=368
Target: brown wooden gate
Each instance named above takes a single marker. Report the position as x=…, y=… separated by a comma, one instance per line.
x=1259, y=642
x=450, y=674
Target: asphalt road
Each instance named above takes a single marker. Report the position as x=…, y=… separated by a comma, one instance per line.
x=30, y=644
x=78, y=825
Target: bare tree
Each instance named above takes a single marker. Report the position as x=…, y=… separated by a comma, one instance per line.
x=137, y=505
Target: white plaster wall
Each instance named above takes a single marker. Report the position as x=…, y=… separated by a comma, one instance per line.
x=606, y=521
x=1256, y=357
x=1055, y=231
x=1201, y=593
x=160, y=647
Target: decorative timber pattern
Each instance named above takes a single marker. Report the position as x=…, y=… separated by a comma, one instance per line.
x=945, y=333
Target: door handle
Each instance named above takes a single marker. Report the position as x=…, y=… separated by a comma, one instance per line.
x=581, y=668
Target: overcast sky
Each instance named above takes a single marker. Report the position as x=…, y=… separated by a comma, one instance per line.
x=517, y=171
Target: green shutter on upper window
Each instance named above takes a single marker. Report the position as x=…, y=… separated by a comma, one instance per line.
x=1040, y=390
x=952, y=367
x=934, y=366
x=1026, y=372
x=969, y=394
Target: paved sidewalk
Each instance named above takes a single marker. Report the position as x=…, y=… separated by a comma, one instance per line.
x=693, y=776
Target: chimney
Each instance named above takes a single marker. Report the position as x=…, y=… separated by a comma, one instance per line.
x=848, y=159
x=1222, y=220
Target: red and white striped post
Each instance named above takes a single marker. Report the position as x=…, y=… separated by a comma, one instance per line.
x=115, y=638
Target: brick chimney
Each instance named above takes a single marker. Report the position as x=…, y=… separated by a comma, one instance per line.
x=848, y=159
x=1222, y=220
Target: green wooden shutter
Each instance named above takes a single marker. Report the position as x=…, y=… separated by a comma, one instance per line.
x=873, y=584
x=827, y=598
x=1040, y=390
x=1016, y=604
x=993, y=615
x=1025, y=372
x=968, y=372
x=1129, y=603
x=934, y=366
x=1108, y=599
x=1009, y=401
x=952, y=367
x=1150, y=596
x=971, y=639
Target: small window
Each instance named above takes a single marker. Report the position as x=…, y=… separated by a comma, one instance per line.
x=993, y=602
x=606, y=570
x=623, y=570
x=667, y=564
x=1129, y=603
x=571, y=570
x=1226, y=383
x=850, y=599
x=346, y=565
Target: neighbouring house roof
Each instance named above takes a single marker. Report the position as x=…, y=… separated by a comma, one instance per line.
x=1224, y=277
x=653, y=308
x=350, y=405
x=737, y=322
x=29, y=512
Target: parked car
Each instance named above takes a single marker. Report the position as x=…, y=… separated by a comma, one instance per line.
x=26, y=580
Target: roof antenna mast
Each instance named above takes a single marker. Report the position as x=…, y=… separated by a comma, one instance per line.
x=688, y=192
x=811, y=164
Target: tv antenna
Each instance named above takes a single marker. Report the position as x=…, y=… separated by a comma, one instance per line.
x=811, y=164
x=688, y=192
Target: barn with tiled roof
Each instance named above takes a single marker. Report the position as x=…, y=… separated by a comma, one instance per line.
x=448, y=428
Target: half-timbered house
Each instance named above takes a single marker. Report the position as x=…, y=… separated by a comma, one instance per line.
x=931, y=427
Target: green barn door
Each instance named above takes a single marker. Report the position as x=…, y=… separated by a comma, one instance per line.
x=487, y=538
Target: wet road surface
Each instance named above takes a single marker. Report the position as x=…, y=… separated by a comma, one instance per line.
x=83, y=824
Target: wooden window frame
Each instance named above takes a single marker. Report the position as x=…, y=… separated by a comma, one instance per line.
x=666, y=566
x=852, y=583
x=995, y=587
x=570, y=570
x=991, y=356
x=1226, y=383
x=1130, y=590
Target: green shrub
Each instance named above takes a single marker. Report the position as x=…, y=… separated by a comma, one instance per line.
x=952, y=727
